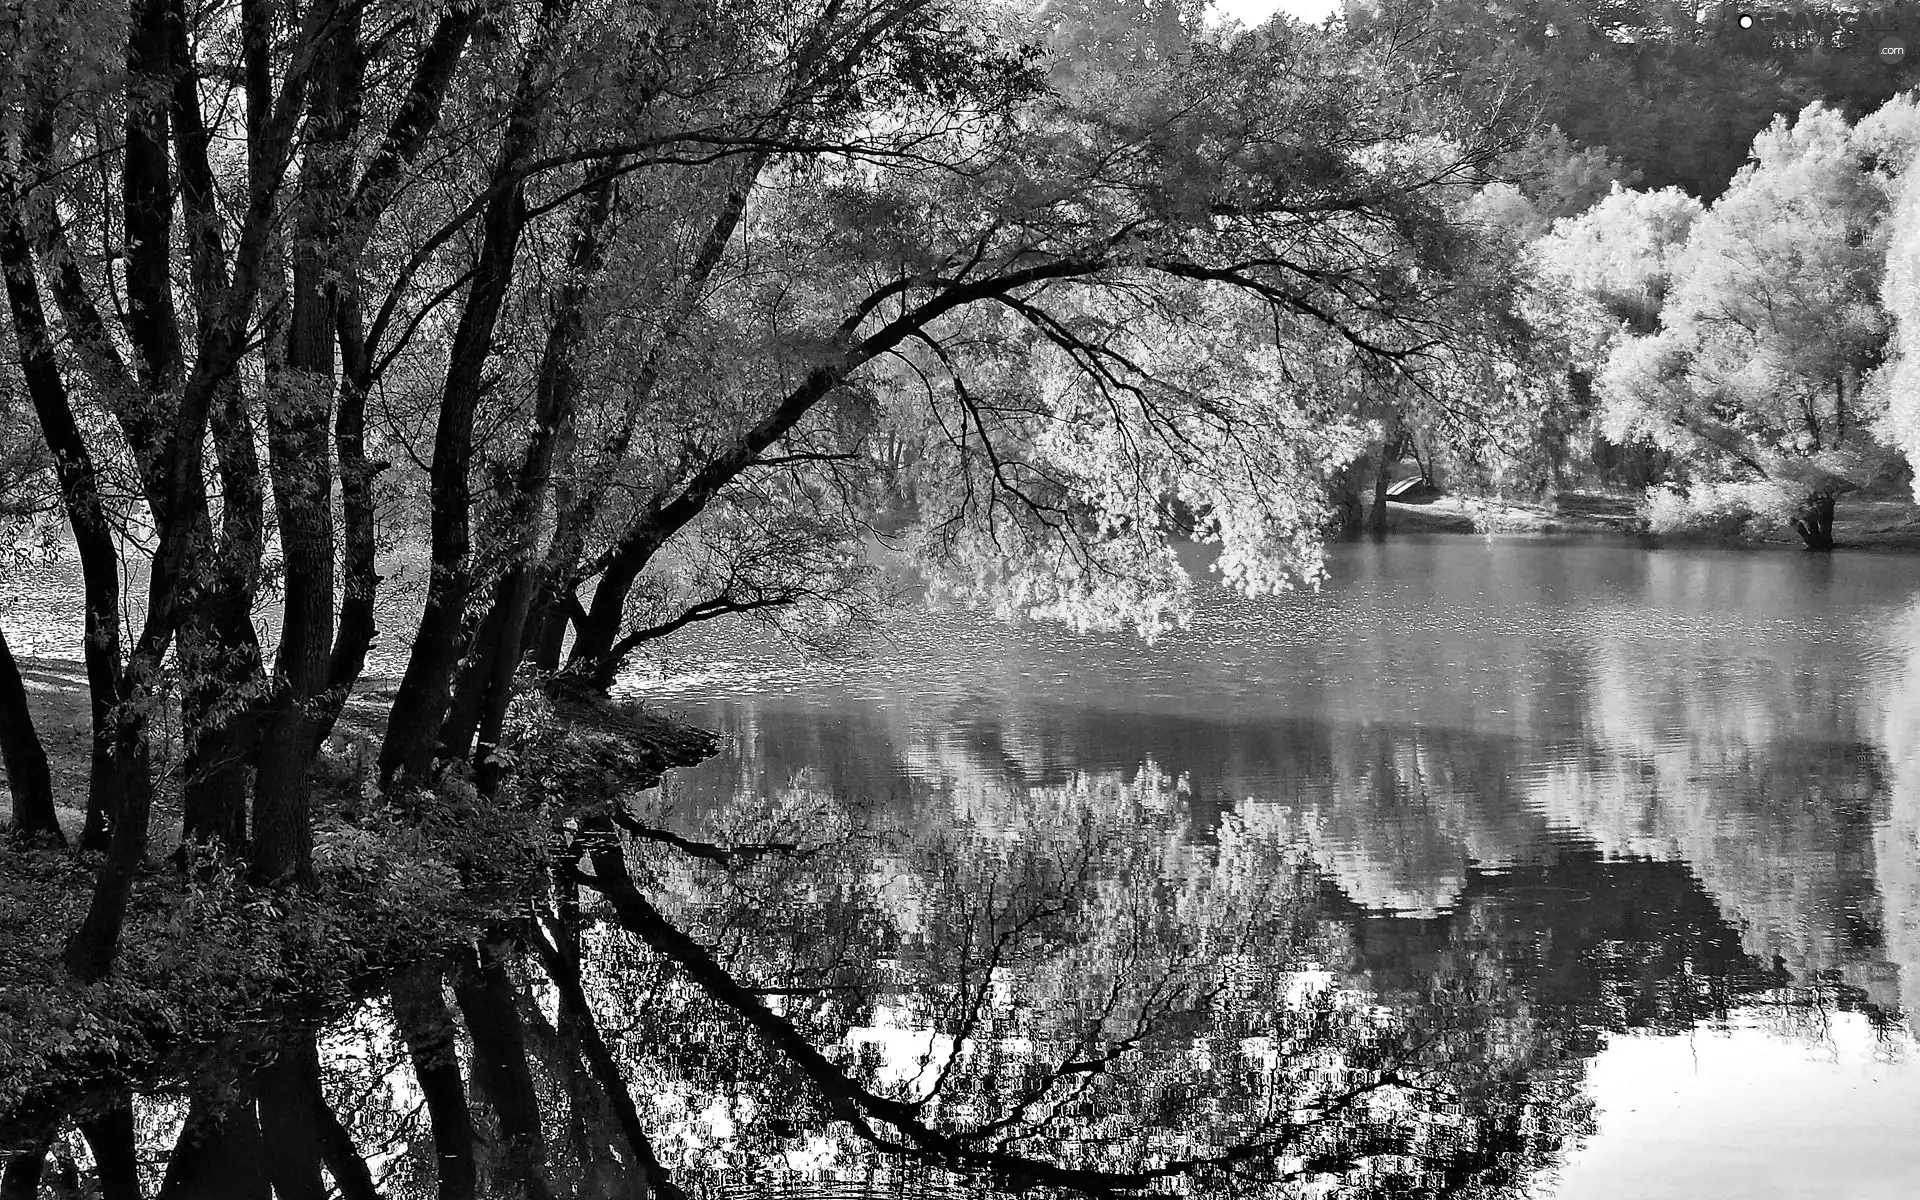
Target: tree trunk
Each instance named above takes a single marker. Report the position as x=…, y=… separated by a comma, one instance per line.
x=416, y=117
x=597, y=631
x=554, y=601
x=360, y=580
x=25, y=758
x=220, y=669
x=558, y=602
x=299, y=424
x=178, y=401
x=215, y=771
x=1393, y=444
x=469, y=689
x=81, y=499
x=1815, y=522
x=1349, y=512
x=556, y=397
x=89, y=952
x=1377, y=515
x=553, y=611
x=407, y=753
x=219, y=653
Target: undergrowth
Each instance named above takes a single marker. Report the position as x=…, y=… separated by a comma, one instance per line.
x=209, y=963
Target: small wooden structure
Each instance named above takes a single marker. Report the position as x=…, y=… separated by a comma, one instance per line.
x=1415, y=489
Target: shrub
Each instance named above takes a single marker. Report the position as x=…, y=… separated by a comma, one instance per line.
x=1718, y=509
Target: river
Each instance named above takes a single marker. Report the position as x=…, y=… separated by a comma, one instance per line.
x=1660, y=806
x=1495, y=867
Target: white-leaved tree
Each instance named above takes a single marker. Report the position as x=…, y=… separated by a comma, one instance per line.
x=1606, y=272
x=1055, y=474
x=1772, y=324
x=1895, y=139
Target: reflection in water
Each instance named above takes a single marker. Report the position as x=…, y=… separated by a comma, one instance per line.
x=1396, y=890
x=1451, y=704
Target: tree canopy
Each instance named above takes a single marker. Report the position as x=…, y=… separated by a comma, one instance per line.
x=611, y=320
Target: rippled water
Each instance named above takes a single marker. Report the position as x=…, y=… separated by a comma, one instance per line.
x=1497, y=868
x=1570, y=744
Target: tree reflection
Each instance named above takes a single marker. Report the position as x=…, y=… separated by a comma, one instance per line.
x=1119, y=1002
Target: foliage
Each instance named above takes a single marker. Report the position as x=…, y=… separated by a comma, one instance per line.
x=25, y=470
x=1550, y=179
x=1072, y=517
x=1718, y=509
x=1674, y=94
x=1897, y=384
x=212, y=960
x=1774, y=312
x=573, y=751
x=1562, y=179
x=1607, y=272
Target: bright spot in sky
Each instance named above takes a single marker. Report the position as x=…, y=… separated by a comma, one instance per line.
x=1253, y=12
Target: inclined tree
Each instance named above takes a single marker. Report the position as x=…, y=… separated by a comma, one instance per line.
x=294, y=221
x=1144, y=286
x=634, y=291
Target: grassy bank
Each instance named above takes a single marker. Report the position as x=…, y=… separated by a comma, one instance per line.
x=210, y=965
x=1860, y=523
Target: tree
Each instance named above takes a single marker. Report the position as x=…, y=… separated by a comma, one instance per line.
x=360, y=239
x=1595, y=279
x=1893, y=385
x=1547, y=179
x=1611, y=267
x=1157, y=193
x=28, y=776
x=26, y=535
x=318, y=260
x=1675, y=93
x=1773, y=321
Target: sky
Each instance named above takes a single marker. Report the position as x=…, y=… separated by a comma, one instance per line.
x=1740, y=1110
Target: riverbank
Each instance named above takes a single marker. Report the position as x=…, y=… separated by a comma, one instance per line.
x=651, y=743
x=1871, y=523
x=209, y=964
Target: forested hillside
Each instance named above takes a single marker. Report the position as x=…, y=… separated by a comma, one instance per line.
x=1676, y=91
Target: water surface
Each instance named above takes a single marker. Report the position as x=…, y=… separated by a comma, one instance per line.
x=1496, y=868
x=1660, y=807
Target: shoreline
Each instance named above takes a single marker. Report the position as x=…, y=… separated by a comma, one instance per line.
x=1876, y=524
x=200, y=973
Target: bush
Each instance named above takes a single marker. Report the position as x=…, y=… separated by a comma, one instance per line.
x=1718, y=509
x=208, y=962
